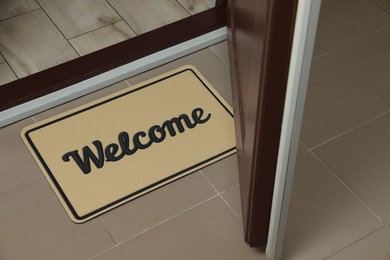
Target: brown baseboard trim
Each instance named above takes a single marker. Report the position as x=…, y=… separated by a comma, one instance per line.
x=74, y=71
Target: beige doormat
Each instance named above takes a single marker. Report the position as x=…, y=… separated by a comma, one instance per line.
x=115, y=149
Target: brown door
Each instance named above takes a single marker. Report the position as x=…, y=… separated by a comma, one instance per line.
x=260, y=36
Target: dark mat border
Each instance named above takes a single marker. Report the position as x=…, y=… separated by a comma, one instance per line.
x=118, y=202
x=79, y=69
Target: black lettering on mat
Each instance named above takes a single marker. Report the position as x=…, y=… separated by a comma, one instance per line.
x=141, y=140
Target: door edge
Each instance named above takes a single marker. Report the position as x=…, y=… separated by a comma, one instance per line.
x=301, y=57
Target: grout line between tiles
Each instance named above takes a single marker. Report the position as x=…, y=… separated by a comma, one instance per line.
x=227, y=65
x=55, y=25
x=221, y=61
x=166, y=220
x=235, y=186
x=183, y=8
x=354, y=242
x=345, y=44
x=352, y=75
x=219, y=194
x=96, y=29
x=113, y=240
x=117, y=12
x=121, y=252
x=348, y=131
x=324, y=11
x=316, y=45
x=321, y=55
x=227, y=96
x=12, y=69
x=100, y=253
x=209, y=48
x=369, y=34
x=380, y=7
x=87, y=31
x=22, y=185
x=105, y=251
x=108, y=232
x=30, y=11
x=357, y=196
x=305, y=146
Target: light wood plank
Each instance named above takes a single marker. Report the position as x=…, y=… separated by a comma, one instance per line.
x=11, y=8
x=75, y=17
x=196, y=6
x=102, y=38
x=6, y=74
x=31, y=43
x=146, y=15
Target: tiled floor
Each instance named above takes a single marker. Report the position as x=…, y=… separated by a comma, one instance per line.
x=340, y=206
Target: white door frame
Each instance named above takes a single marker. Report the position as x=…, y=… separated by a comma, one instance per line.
x=300, y=62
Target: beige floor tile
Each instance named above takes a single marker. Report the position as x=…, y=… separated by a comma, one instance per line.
x=136, y=216
x=369, y=60
x=113, y=254
x=385, y=4
x=229, y=99
x=16, y=164
x=209, y=231
x=232, y=197
x=348, y=22
x=31, y=43
x=324, y=215
x=361, y=159
x=302, y=148
x=317, y=51
x=6, y=74
x=327, y=5
x=81, y=101
x=205, y=61
x=223, y=174
x=146, y=15
x=74, y=17
x=375, y=246
x=11, y=8
x=196, y=6
x=1, y=58
x=222, y=52
x=102, y=38
x=34, y=226
x=335, y=103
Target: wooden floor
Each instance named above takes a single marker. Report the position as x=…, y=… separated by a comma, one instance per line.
x=36, y=35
